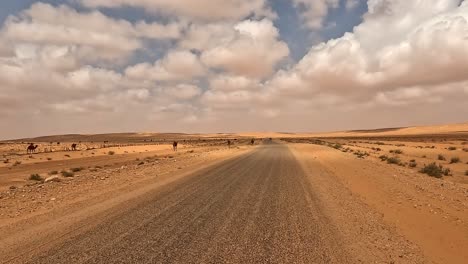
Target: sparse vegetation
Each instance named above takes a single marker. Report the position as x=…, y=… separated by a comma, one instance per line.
x=435, y=170
x=35, y=177
x=383, y=157
x=413, y=164
x=17, y=163
x=452, y=148
x=66, y=155
x=67, y=174
x=77, y=169
x=54, y=172
x=396, y=151
x=49, y=158
x=394, y=160
x=466, y=173
x=454, y=160
x=440, y=157
x=141, y=163
x=111, y=152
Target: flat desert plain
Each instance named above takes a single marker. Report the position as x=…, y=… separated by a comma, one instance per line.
x=395, y=195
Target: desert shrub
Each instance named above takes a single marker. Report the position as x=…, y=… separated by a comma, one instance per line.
x=454, y=160
x=111, y=152
x=53, y=172
x=35, y=177
x=423, y=156
x=466, y=173
x=380, y=143
x=435, y=170
x=383, y=157
x=76, y=169
x=393, y=160
x=413, y=164
x=465, y=149
x=68, y=156
x=17, y=163
x=337, y=146
x=452, y=148
x=67, y=174
x=141, y=163
x=49, y=158
x=398, y=151
x=413, y=160
x=440, y=157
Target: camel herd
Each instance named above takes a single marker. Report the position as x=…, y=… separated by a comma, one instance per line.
x=32, y=148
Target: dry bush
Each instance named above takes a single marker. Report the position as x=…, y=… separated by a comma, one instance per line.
x=394, y=160
x=53, y=172
x=67, y=174
x=435, y=170
x=454, y=160
x=35, y=177
x=452, y=148
x=440, y=157
x=77, y=169
x=111, y=152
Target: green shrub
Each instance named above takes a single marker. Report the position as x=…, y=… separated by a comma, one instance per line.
x=35, y=177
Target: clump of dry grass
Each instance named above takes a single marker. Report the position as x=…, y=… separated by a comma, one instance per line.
x=35, y=177
x=435, y=170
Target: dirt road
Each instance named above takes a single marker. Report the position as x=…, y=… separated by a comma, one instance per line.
x=260, y=207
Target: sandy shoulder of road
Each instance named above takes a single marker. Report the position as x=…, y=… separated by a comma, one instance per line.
x=389, y=208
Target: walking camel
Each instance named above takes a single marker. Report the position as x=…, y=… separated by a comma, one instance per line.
x=73, y=147
x=174, y=145
x=31, y=148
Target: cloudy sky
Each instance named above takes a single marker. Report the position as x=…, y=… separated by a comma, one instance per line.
x=91, y=66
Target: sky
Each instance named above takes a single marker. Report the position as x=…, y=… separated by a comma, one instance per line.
x=195, y=66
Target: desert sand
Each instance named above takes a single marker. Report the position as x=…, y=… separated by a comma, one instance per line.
x=340, y=197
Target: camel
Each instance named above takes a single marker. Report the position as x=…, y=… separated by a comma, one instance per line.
x=31, y=148
x=229, y=143
x=252, y=141
x=174, y=145
x=73, y=147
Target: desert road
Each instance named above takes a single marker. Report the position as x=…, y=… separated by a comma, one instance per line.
x=258, y=207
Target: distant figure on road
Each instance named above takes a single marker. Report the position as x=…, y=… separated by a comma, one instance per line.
x=252, y=142
x=174, y=145
x=229, y=143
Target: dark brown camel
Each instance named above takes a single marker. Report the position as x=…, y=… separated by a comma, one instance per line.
x=174, y=145
x=31, y=148
x=252, y=141
x=229, y=143
x=73, y=147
